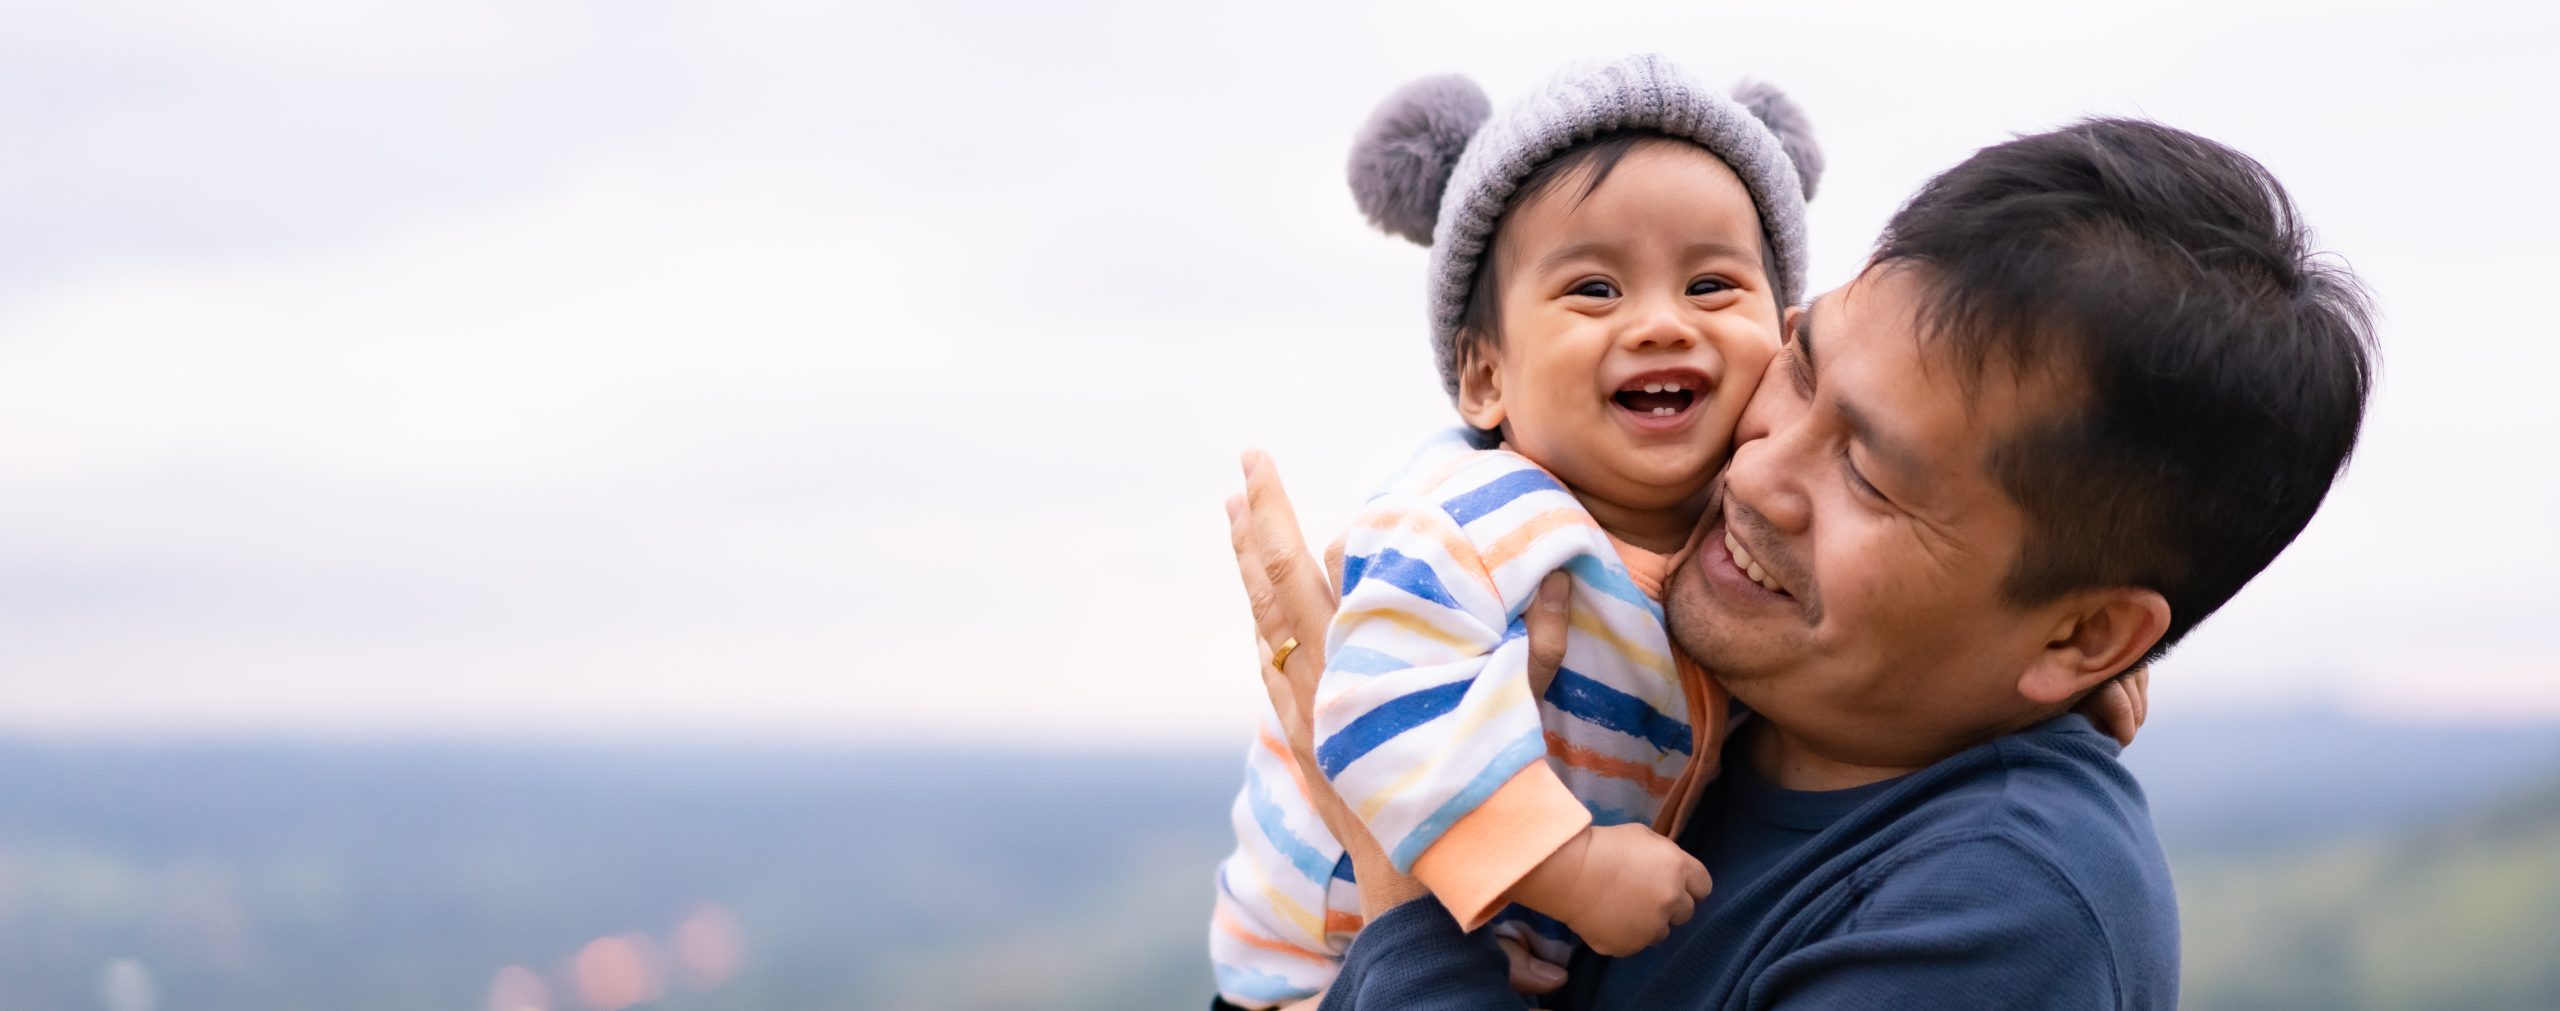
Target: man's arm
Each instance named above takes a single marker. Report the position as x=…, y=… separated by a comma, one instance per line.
x=1416, y=957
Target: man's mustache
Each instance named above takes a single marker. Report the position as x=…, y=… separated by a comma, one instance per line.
x=1759, y=537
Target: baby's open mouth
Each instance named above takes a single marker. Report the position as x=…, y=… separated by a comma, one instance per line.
x=1656, y=398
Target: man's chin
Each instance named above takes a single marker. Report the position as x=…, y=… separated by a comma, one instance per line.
x=1726, y=645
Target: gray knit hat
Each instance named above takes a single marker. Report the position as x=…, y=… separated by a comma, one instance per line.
x=1434, y=166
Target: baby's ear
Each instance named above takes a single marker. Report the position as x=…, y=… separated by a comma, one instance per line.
x=1479, y=384
x=1785, y=118
x=1402, y=157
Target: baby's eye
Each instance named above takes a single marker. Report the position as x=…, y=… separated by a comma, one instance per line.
x=1707, y=286
x=1596, y=289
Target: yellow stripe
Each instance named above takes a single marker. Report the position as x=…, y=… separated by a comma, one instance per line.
x=1483, y=710
x=1413, y=623
x=1590, y=625
x=1510, y=546
x=1307, y=923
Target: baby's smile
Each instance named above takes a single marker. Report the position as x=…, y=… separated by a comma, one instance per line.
x=1660, y=397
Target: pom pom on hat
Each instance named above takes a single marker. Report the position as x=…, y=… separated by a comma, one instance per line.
x=1402, y=157
x=1788, y=122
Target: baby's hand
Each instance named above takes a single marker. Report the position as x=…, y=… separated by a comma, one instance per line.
x=1634, y=886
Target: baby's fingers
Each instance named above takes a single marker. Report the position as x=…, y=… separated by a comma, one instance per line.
x=1698, y=882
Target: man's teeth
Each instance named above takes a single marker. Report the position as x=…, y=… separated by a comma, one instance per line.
x=1742, y=560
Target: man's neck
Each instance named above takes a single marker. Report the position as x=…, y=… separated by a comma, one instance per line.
x=1789, y=763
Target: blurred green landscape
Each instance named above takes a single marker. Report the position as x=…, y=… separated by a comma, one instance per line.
x=2323, y=862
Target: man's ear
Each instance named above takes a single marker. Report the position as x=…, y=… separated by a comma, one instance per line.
x=2096, y=636
x=1480, y=384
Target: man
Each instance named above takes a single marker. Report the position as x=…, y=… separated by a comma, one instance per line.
x=2091, y=382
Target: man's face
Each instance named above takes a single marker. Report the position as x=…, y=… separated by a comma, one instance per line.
x=1860, y=490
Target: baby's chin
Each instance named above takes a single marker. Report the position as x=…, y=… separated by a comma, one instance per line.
x=1658, y=478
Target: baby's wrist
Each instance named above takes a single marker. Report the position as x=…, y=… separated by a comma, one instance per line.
x=1555, y=885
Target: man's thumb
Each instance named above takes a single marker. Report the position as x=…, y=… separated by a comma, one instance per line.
x=1550, y=615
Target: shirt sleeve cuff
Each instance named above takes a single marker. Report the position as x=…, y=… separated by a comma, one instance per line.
x=1474, y=865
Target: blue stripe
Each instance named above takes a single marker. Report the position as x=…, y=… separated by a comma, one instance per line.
x=1529, y=748
x=1473, y=505
x=1612, y=581
x=1258, y=987
x=1363, y=660
x=1376, y=726
x=1604, y=817
x=1275, y=827
x=1399, y=570
x=1590, y=701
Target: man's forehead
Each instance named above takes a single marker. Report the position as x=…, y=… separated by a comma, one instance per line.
x=1880, y=318
x=1902, y=391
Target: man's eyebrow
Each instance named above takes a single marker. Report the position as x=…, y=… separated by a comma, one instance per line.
x=1894, y=452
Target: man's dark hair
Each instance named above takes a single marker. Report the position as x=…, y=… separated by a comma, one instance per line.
x=2168, y=278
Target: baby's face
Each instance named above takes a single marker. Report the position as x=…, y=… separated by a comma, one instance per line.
x=1635, y=324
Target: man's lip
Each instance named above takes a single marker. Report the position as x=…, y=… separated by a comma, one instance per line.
x=1731, y=577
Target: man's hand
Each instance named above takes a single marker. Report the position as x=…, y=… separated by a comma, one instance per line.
x=1291, y=600
x=2120, y=706
x=1292, y=597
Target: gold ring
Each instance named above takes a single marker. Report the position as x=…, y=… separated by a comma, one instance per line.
x=1280, y=656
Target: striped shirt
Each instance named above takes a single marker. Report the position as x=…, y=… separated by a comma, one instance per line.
x=1425, y=723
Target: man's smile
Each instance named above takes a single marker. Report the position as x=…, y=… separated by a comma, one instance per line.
x=1745, y=576
x=1742, y=560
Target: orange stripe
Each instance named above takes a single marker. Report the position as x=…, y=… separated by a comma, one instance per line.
x=1435, y=526
x=1449, y=468
x=1237, y=931
x=1338, y=922
x=1512, y=544
x=1591, y=761
x=1287, y=761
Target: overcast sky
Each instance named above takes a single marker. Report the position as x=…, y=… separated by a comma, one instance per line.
x=874, y=373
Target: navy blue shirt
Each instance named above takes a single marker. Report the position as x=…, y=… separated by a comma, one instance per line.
x=2022, y=873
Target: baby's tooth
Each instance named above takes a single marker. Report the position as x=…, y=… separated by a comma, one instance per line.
x=1653, y=387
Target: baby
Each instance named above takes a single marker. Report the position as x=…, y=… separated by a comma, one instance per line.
x=1609, y=265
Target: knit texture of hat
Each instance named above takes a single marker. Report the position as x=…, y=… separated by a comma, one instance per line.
x=1434, y=166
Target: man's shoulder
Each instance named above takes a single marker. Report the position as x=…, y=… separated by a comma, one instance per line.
x=2043, y=824
x=2055, y=793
